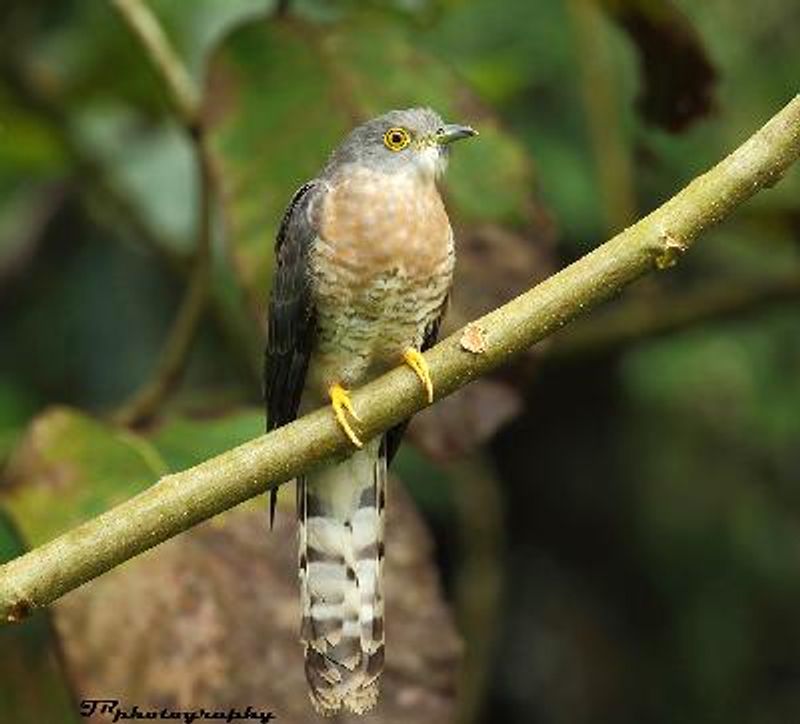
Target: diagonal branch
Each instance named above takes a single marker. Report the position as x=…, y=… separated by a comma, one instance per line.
x=184, y=499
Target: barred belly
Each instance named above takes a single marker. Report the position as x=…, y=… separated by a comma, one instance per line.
x=362, y=332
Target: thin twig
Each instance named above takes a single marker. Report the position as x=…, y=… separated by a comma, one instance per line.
x=108, y=206
x=184, y=499
x=144, y=403
x=147, y=399
x=97, y=187
x=145, y=26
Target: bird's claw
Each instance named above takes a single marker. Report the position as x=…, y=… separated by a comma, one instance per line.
x=416, y=362
x=341, y=403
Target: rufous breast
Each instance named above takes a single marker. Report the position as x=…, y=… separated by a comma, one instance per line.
x=374, y=222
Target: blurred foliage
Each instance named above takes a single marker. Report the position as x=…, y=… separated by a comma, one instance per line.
x=70, y=467
x=269, y=142
x=183, y=442
x=652, y=533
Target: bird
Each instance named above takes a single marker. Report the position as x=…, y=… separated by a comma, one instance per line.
x=364, y=261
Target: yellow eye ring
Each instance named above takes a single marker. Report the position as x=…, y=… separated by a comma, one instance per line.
x=396, y=139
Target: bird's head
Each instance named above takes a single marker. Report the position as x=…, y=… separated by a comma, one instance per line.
x=415, y=140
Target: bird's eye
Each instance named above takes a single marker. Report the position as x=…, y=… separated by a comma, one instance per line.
x=396, y=139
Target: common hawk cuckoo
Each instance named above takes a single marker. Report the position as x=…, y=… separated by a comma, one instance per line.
x=364, y=264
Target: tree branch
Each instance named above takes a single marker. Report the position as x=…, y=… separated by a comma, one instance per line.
x=185, y=97
x=178, y=501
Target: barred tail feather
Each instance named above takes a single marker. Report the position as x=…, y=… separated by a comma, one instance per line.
x=341, y=510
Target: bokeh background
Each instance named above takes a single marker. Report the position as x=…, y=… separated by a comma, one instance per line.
x=608, y=530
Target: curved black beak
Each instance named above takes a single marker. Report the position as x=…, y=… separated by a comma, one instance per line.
x=453, y=132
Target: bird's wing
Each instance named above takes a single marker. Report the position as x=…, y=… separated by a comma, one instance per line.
x=394, y=435
x=291, y=325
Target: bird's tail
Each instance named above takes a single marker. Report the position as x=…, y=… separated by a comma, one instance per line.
x=341, y=510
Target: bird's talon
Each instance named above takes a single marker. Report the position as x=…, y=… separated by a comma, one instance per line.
x=341, y=403
x=416, y=362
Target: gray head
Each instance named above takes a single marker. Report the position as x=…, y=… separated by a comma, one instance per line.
x=411, y=140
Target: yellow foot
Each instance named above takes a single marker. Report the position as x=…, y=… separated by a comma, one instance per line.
x=340, y=401
x=416, y=362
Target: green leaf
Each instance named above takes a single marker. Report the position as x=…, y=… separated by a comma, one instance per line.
x=196, y=27
x=106, y=108
x=70, y=467
x=11, y=544
x=16, y=407
x=134, y=156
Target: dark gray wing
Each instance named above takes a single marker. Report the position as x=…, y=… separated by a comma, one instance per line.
x=393, y=437
x=291, y=325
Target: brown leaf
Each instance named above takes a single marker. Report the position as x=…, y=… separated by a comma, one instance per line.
x=679, y=79
x=211, y=618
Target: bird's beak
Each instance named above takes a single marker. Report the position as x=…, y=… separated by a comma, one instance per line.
x=453, y=132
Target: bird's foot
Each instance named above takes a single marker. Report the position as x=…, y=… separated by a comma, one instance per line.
x=341, y=403
x=416, y=362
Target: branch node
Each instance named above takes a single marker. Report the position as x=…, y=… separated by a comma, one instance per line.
x=473, y=339
x=19, y=610
x=669, y=250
